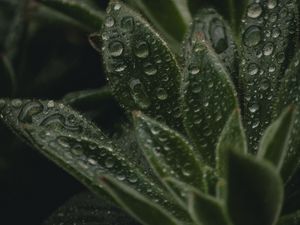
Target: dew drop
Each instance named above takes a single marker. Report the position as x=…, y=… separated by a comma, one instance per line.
x=116, y=48
x=127, y=23
x=187, y=170
x=117, y=7
x=139, y=94
x=16, y=103
x=109, y=21
x=193, y=69
x=268, y=49
x=150, y=69
x=253, y=69
x=253, y=108
x=141, y=50
x=252, y=36
x=272, y=4
x=109, y=163
x=254, y=10
x=161, y=94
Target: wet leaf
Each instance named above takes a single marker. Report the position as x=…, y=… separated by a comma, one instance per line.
x=208, y=24
x=254, y=190
x=79, y=11
x=76, y=145
x=173, y=16
x=141, y=70
x=169, y=154
x=268, y=38
x=87, y=209
x=137, y=205
x=274, y=143
x=232, y=137
x=208, y=98
x=292, y=219
x=206, y=210
x=289, y=93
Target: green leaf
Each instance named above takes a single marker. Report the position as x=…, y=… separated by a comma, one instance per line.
x=268, y=39
x=211, y=26
x=292, y=219
x=169, y=154
x=208, y=98
x=87, y=209
x=289, y=94
x=79, y=11
x=137, y=205
x=76, y=145
x=274, y=144
x=206, y=210
x=142, y=71
x=254, y=190
x=173, y=16
x=232, y=137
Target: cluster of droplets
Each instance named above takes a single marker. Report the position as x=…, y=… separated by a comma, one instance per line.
x=265, y=39
x=140, y=67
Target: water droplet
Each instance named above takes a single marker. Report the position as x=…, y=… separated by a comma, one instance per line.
x=187, y=170
x=265, y=84
x=218, y=36
x=161, y=94
x=150, y=69
x=252, y=36
x=109, y=21
x=109, y=163
x=272, y=4
x=117, y=7
x=268, y=49
x=50, y=104
x=127, y=24
x=16, y=103
x=116, y=48
x=253, y=69
x=139, y=94
x=141, y=50
x=254, y=10
x=2, y=103
x=193, y=69
x=253, y=108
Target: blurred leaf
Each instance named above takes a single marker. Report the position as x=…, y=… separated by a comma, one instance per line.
x=292, y=219
x=274, y=143
x=79, y=11
x=136, y=204
x=86, y=209
x=173, y=16
x=254, y=190
x=206, y=210
x=289, y=94
x=169, y=154
x=7, y=77
x=142, y=71
x=75, y=144
x=209, y=99
x=268, y=38
x=232, y=137
x=211, y=26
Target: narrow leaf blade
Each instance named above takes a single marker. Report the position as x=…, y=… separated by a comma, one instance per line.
x=135, y=204
x=274, y=143
x=142, y=71
x=254, y=190
x=208, y=99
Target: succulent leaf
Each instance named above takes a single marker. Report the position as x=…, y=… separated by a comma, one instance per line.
x=80, y=11
x=142, y=71
x=254, y=190
x=208, y=99
x=87, y=209
x=215, y=30
x=169, y=154
x=274, y=143
x=265, y=49
x=137, y=205
x=206, y=210
x=232, y=137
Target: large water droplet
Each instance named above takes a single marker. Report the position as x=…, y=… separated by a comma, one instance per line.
x=127, y=24
x=253, y=69
x=218, y=36
x=268, y=49
x=141, y=50
x=252, y=36
x=272, y=4
x=116, y=48
x=139, y=94
x=109, y=21
x=254, y=10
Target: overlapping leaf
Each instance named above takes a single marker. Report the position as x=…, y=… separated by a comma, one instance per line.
x=208, y=98
x=254, y=190
x=292, y=219
x=142, y=71
x=268, y=38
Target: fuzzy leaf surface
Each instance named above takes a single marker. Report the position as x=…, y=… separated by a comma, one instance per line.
x=141, y=69
x=268, y=38
x=169, y=154
x=254, y=190
x=208, y=98
x=274, y=143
